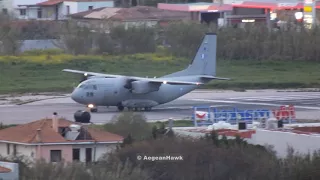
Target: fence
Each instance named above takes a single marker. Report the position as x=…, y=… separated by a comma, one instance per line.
x=207, y=115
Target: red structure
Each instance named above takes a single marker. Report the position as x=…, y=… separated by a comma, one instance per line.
x=235, y=12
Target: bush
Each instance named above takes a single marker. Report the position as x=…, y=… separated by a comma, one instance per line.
x=37, y=52
x=206, y=158
x=130, y=123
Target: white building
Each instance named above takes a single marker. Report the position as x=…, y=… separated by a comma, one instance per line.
x=51, y=9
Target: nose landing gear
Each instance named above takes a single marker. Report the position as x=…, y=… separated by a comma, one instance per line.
x=92, y=108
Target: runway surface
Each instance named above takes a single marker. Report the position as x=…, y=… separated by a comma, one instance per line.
x=307, y=105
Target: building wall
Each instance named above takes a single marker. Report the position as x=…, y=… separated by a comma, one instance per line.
x=98, y=150
x=44, y=152
x=6, y=4
x=73, y=7
x=139, y=23
x=48, y=13
x=28, y=151
x=84, y=6
x=31, y=13
x=25, y=2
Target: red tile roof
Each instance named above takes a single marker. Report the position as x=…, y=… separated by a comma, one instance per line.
x=4, y=169
x=26, y=133
x=55, y=2
x=50, y=2
x=132, y=13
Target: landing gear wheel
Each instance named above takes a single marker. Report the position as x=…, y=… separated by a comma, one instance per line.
x=94, y=110
x=136, y=109
x=120, y=108
x=129, y=108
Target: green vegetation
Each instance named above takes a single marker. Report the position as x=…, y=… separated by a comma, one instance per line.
x=253, y=57
x=32, y=72
x=206, y=158
x=176, y=123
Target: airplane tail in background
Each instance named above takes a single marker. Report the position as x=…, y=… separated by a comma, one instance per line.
x=204, y=62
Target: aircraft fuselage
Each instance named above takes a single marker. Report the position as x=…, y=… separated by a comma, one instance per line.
x=111, y=92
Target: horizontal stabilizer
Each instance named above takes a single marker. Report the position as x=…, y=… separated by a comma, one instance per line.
x=214, y=77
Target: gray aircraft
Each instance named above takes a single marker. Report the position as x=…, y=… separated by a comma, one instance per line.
x=144, y=93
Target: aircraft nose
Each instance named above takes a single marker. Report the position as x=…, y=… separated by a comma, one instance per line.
x=75, y=96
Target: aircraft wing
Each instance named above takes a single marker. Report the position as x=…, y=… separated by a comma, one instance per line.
x=151, y=80
x=214, y=77
x=91, y=73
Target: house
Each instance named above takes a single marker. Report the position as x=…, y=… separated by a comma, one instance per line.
x=150, y=16
x=52, y=9
x=57, y=139
x=9, y=171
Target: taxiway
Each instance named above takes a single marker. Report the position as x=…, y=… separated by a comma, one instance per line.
x=307, y=106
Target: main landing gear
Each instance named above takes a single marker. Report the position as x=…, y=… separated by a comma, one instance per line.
x=139, y=109
x=120, y=107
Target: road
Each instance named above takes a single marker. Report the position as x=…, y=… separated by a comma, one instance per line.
x=307, y=106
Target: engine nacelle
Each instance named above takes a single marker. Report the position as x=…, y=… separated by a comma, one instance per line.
x=143, y=87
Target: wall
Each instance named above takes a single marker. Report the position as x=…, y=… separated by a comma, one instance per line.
x=38, y=44
x=28, y=151
x=139, y=23
x=73, y=7
x=101, y=149
x=44, y=152
x=281, y=140
x=31, y=13
x=84, y=6
x=6, y=4
x=13, y=175
x=26, y=2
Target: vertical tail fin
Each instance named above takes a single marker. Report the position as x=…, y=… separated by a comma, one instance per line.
x=204, y=62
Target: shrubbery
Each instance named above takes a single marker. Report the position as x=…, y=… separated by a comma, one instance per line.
x=182, y=39
x=206, y=158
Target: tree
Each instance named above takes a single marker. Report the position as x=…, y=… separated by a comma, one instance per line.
x=132, y=123
x=10, y=35
x=134, y=39
x=154, y=131
x=74, y=38
x=184, y=37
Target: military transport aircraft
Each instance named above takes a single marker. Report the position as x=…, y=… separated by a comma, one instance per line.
x=144, y=93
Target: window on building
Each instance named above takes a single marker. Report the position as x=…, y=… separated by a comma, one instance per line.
x=90, y=7
x=39, y=13
x=88, y=155
x=55, y=155
x=5, y=11
x=68, y=10
x=23, y=12
x=8, y=149
x=76, y=154
x=14, y=150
